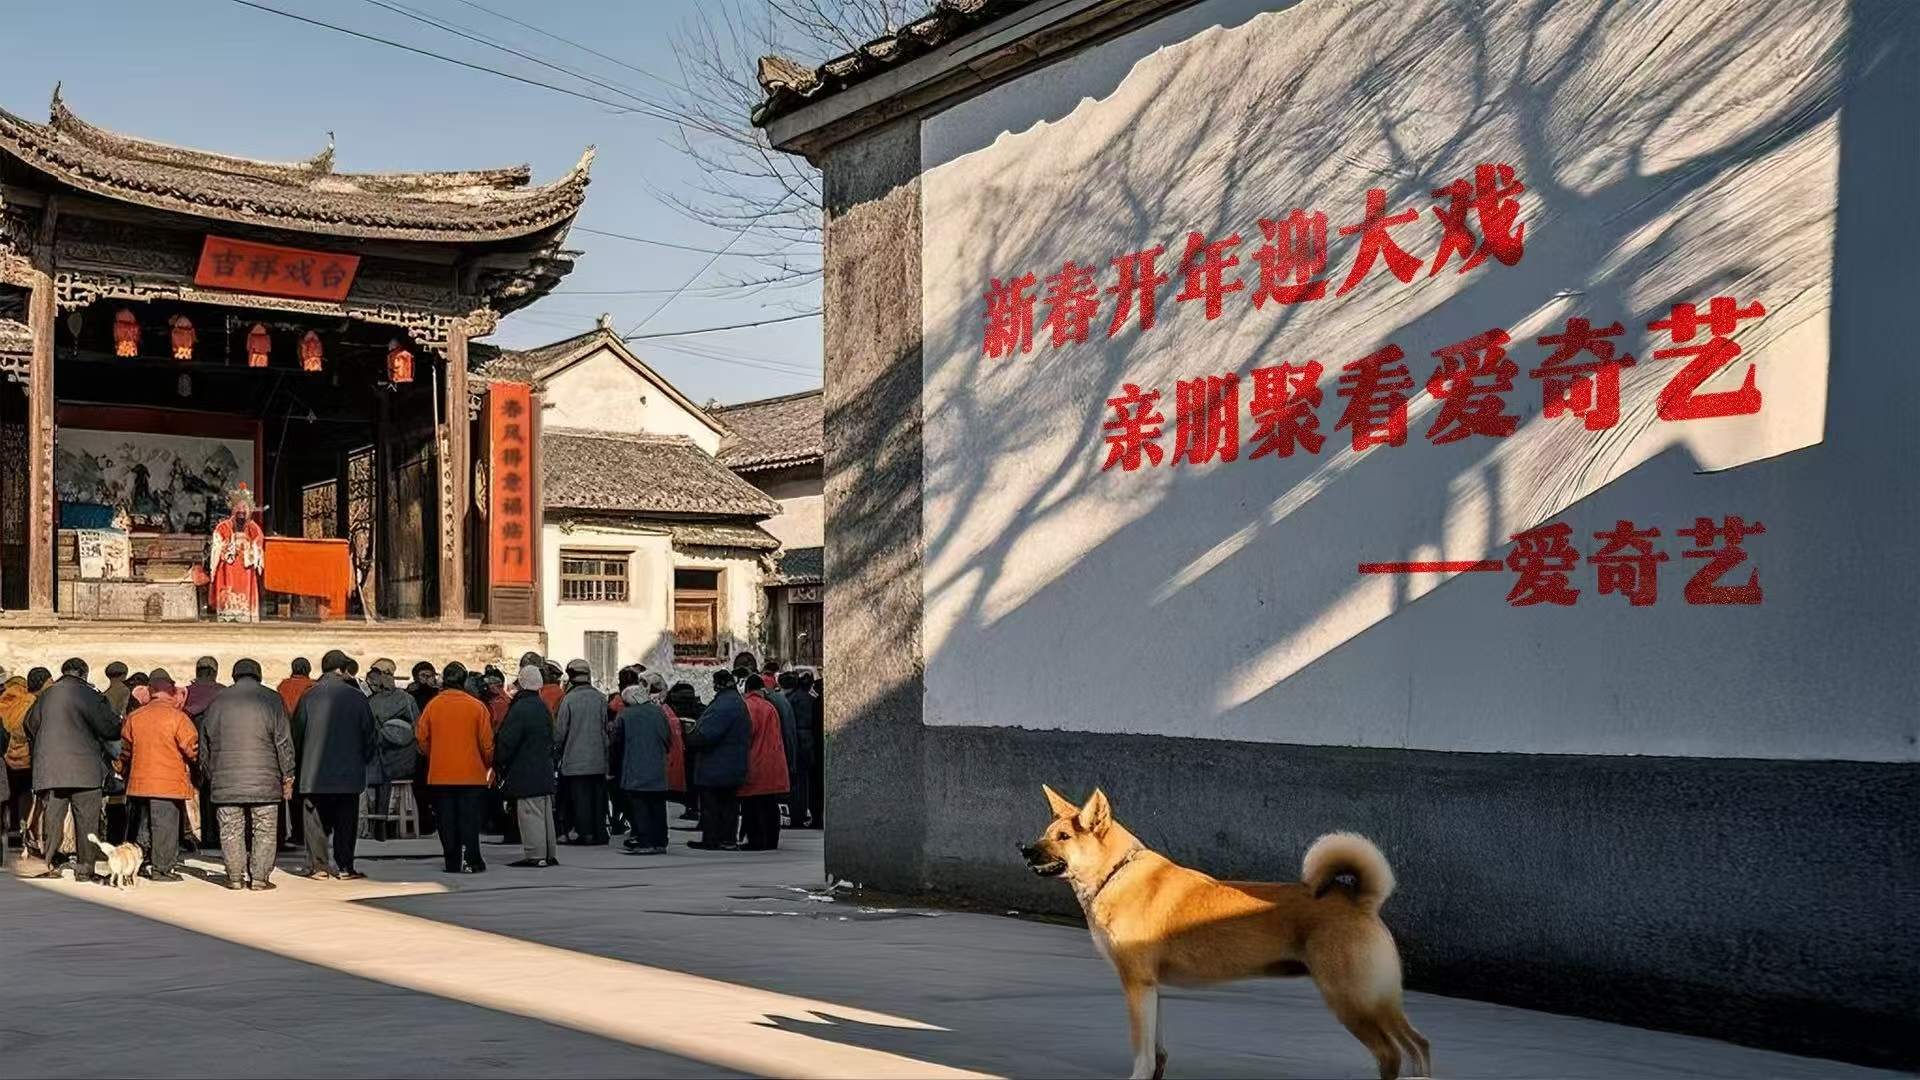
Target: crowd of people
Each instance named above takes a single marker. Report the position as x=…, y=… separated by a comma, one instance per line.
x=544, y=758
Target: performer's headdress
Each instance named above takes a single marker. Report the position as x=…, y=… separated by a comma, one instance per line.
x=240, y=499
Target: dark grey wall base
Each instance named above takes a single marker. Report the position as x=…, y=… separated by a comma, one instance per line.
x=1768, y=903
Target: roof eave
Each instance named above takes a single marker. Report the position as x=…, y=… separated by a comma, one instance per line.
x=1017, y=41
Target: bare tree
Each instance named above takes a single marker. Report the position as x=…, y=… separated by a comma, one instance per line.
x=769, y=199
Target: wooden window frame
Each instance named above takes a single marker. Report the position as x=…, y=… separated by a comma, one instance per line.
x=709, y=599
x=624, y=580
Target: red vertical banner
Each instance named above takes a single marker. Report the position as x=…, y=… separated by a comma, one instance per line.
x=510, y=509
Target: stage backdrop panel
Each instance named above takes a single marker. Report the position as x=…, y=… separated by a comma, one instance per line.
x=175, y=483
x=1102, y=560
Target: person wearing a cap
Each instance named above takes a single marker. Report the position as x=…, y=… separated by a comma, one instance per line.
x=456, y=737
x=554, y=685
x=69, y=728
x=580, y=732
x=398, y=756
x=117, y=693
x=246, y=750
x=333, y=732
x=158, y=744
x=523, y=760
x=425, y=684
x=205, y=686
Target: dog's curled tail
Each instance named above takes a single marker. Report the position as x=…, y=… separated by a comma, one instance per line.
x=101, y=844
x=1350, y=855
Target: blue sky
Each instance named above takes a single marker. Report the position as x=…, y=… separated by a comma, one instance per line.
x=218, y=76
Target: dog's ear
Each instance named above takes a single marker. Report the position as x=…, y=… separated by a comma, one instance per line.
x=1060, y=806
x=1097, y=814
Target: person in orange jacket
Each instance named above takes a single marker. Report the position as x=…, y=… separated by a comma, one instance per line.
x=766, y=773
x=158, y=744
x=455, y=734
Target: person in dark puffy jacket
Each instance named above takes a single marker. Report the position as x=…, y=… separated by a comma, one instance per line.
x=333, y=733
x=396, y=754
x=721, y=737
x=523, y=765
x=69, y=730
x=246, y=749
x=645, y=739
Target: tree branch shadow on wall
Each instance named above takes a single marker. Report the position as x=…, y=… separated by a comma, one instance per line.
x=1637, y=199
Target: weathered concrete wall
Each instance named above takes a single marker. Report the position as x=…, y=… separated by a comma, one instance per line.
x=873, y=552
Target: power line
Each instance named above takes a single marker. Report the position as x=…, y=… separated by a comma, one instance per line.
x=455, y=60
x=717, y=329
x=767, y=367
x=676, y=247
x=552, y=65
x=643, y=72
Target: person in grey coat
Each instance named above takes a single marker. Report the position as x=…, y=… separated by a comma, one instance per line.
x=333, y=736
x=580, y=738
x=397, y=752
x=69, y=729
x=722, y=736
x=246, y=749
x=645, y=739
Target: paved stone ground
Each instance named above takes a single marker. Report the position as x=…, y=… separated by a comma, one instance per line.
x=691, y=964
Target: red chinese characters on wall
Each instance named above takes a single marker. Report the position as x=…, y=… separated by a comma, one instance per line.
x=270, y=270
x=1625, y=561
x=510, y=512
x=1479, y=218
x=1579, y=378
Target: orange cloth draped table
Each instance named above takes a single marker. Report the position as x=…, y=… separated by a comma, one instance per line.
x=322, y=568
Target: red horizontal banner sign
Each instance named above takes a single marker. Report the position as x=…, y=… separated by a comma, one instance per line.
x=275, y=271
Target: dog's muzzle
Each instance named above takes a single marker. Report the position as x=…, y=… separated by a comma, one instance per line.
x=1041, y=863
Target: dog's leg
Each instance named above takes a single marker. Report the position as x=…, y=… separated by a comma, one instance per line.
x=1143, y=1015
x=1159, y=1048
x=1415, y=1045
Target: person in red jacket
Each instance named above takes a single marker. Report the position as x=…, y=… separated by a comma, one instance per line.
x=766, y=773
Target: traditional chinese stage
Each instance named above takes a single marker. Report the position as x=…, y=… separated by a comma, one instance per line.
x=176, y=325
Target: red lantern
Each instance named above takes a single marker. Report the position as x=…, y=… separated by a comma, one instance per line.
x=183, y=337
x=399, y=363
x=259, y=346
x=126, y=334
x=310, y=356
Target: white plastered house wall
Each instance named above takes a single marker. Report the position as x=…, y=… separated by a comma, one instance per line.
x=600, y=386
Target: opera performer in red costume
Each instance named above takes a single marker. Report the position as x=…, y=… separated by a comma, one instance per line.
x=235, y=559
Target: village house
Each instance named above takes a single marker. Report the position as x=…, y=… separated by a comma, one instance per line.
x=779, y=449
x=652, y=550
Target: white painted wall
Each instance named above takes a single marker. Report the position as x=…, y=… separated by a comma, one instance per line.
x=802, y=521
x=605, y=393
x=645, y=621
x=1672, y=150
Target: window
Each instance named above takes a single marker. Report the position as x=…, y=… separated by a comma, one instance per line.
x=696, y=614
x=320, y=510
x=595, y=577
x=603, y=651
